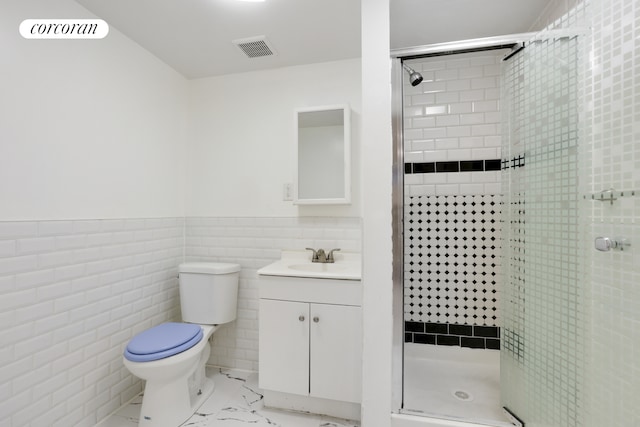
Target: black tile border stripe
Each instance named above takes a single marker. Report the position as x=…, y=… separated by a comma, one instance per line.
x=454, y=166
x=450, y=334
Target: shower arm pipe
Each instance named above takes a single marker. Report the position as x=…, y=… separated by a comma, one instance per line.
x=407, y=68
x=462, y=46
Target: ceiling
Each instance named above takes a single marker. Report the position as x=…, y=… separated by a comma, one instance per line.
x=195, y=36
x=421, y=22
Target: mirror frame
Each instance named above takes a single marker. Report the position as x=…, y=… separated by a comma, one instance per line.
x=346, y=164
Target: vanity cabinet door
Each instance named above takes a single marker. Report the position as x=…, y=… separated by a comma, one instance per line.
x=284, y=346
x=336, y=352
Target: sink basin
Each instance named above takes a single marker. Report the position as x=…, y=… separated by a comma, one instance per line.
x=298, y=264
x=318, y=267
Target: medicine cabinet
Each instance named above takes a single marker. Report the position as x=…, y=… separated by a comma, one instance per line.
x=323, y=155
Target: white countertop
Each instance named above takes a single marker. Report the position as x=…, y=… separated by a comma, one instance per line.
x=347, y=266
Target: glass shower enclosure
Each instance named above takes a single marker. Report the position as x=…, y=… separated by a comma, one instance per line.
x=549, y=210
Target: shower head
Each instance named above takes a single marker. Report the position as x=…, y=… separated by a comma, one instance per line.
x=415, y=78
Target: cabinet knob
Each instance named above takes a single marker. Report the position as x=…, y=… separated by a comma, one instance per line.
x=301, y=318
x=316, y=319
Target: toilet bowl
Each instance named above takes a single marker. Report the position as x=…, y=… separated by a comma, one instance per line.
x=171, y=357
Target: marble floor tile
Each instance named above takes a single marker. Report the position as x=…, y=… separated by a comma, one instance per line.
x=235, y=402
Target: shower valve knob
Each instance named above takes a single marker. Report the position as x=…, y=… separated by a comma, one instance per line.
x=605, y=244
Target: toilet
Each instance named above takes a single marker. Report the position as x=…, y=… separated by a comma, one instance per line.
x=171, y=357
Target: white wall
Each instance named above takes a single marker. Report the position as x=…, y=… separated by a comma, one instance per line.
x=88, y=128
x=242, y=135
x=376, y=219
x=91, y=215
x=240, y=155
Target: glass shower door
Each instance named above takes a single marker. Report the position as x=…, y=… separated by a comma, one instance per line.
x=543, y=355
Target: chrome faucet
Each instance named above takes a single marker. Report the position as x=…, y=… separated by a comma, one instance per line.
x=321, y=257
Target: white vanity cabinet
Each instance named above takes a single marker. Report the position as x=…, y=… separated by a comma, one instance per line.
x=335, y=352
x=313, y=349
x=310, y=351
x=284, y=346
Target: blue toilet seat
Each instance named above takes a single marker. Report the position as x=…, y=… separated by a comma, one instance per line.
x=163, y=341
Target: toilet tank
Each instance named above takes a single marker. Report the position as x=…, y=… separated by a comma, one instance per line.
x=208, y=292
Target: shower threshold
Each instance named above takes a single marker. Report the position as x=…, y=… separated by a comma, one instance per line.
x=404, y=419
x=422, y=419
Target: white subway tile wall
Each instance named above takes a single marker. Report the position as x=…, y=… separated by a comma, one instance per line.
x=452, y=147
x=72, y=294
x=254, y=243
x=454, y=115
x=612, y=86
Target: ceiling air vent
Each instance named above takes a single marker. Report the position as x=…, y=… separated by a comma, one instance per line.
x=255, y=47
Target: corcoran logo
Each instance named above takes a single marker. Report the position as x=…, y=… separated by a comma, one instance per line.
x=64, y=29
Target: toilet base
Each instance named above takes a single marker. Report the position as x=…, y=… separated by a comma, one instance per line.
x=169, y=400
x=156, y=413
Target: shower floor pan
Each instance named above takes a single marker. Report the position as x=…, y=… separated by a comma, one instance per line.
x=454, y=383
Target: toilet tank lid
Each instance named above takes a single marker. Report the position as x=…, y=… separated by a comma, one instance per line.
x=208, y=267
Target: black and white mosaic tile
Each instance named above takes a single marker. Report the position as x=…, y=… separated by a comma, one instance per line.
x=452, y=249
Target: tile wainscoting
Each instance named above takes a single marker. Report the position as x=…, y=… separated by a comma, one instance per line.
x=72, y=294
x=254, y=243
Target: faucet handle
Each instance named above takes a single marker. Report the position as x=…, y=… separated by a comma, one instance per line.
x=314, y=256
x=330, y=256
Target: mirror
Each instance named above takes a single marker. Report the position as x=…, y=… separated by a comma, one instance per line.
x=323, y=154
